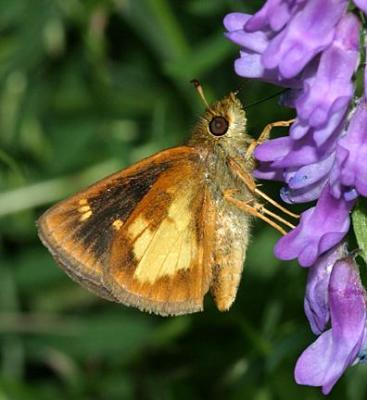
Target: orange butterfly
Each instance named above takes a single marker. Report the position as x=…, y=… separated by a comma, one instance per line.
x=162, y=233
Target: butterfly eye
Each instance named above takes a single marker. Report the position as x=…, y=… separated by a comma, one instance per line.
x=218, y=126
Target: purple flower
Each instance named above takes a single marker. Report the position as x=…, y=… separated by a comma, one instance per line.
x=321, y=105
x=329, y=90
x=308, y=33
x=323, y=363
x=306, y=158
x=316, y=297
x=319, y=229
x=313, y=48
x=351, y=152
x=253, y=45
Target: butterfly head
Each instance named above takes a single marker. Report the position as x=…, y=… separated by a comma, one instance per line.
x=222, y=124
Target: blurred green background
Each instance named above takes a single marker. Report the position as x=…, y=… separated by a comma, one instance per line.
x=87, y=88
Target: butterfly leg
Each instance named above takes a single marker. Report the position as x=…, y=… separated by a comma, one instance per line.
x=265, y=135
x=251, y=185
x=257, y=210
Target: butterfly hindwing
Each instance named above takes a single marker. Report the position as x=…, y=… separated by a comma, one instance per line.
x=161, y=259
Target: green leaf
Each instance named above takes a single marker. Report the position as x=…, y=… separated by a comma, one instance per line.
x=359, y=218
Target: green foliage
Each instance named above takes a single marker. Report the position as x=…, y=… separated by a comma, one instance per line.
x=359, y=218
x=88, y=87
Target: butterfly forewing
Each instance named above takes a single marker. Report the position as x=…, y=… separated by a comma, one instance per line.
x=108, y=237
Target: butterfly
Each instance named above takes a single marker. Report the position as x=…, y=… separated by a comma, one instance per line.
x=162, y=233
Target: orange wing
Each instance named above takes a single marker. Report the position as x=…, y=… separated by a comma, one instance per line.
x=141, y=236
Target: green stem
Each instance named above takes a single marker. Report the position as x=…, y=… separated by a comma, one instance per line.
x=46, y=192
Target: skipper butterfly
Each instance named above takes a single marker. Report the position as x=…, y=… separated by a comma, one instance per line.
x=162, y=233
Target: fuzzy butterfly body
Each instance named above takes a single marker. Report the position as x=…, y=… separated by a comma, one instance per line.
x=160, y=234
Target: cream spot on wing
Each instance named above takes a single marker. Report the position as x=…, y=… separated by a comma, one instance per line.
x=85, y=216
x=138, y=226
x=84, y=210
x=170, y=247
x=117, y=224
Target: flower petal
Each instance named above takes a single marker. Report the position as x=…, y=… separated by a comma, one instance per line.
x=352, y=150
x=274, y=149
x=319, y=229
x=235, y=21
x=249, y=66
x=265, y=171
x=274, y=15
x=316, y=297
x=303, y=195
x=311, y=173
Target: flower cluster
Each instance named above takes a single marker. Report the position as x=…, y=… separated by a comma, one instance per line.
x=313, y=48
x=335, y=294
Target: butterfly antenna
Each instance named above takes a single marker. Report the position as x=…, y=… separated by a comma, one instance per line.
x=267, y=98
x=200, y=90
